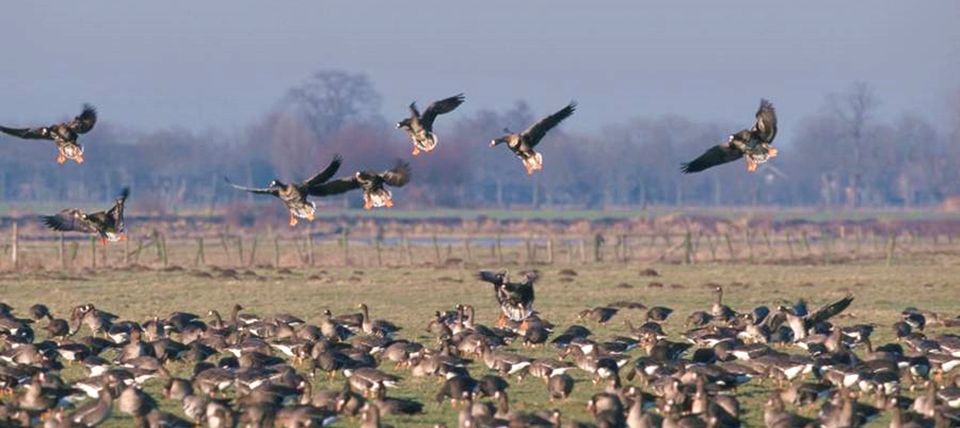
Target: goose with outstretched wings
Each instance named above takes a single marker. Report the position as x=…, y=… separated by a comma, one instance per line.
x=522, y=144
x=420, y=126
x=372, y=183
x=108, y=225
x=63, y=134
x=753, y=145
x=515, y=298
x=294, y=195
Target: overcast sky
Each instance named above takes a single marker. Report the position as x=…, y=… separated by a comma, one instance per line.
x=223, y=63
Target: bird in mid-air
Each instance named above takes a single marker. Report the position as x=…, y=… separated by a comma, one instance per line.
x=64, y=134
x=515, y=298
x=294, y=195
x=372, y=183
x=420, y=126
x=106, y=224
x=522, y=143
x=754, y=144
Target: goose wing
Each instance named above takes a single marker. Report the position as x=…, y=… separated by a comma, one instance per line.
x=28, y=133
x=829, y=310
x=85, y=121
x=716, y=155
x=335, y=187
x=437, y=108
x=116, y=213
x=534, y=133
x=262, y=191
x=766, y=125
x=399, y=175
x=323, y=176
x=70, y=220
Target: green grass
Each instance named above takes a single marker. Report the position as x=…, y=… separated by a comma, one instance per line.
x=409, y=295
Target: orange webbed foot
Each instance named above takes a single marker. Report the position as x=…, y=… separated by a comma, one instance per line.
x=416, y=151
x=772, y=152
x=293, y=220
x=61, y=159
x=79, y=159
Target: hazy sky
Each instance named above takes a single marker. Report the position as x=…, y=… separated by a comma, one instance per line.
x=223, y=63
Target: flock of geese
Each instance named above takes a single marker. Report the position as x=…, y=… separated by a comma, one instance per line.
x=753, y=144
x=282, y=371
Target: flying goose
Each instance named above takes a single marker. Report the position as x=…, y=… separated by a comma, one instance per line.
x=64, y=134
x=294, y=195
x=522, y=143
x=420, y=126
x=372, y=183
x=107, y=224
x=754, y=144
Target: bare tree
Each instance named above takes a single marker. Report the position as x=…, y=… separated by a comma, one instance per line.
x=330, y=99
x=854, y=109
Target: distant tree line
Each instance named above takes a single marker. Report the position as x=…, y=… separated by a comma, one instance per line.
x=841, y=156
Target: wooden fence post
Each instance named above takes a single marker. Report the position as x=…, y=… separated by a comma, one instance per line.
x=200, y=260
x=733, y=256
x=63, y=251
x=466, y=247
x=93, y=252
x=436, y=249
x=253, y=249
x=550, y=250
x=345, y=245
x=687, y=249
x=14, y=245
x=891, y=246
x=310, y=259
x=126, y=250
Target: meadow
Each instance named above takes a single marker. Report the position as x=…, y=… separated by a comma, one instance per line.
x=406, y=271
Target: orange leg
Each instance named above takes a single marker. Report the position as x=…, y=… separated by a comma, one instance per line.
x=751, y=165
x=61, y=158
x=367, y=205
x=79, y=159
x=103, y=242
x=123, y=237
x=772, y=152
x=526, y=166
x=416, y=151
x=502, y=321
x=389, y=203
x=293, y=220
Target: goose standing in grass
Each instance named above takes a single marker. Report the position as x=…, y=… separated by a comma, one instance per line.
x=63, y=134
x=753, y=145
x=108, y=225
x=294, y=195
x=420, y=126
x=522, y=143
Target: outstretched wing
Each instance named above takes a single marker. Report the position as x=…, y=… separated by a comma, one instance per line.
x=437, y=108
x=69, y=220
x=117, y=211
x=85, y=121
x=495, y=278
x=325, y=175
x=716, y=155
x=262, y=191
x=766, y=125
x=29, y=133
x=829, y=310
x=335, y=187
x=534, y=133
x=399, y=175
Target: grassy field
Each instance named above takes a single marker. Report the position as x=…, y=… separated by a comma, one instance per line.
x=408, y=295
